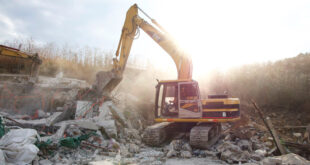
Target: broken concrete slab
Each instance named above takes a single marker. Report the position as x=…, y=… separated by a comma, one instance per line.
x=285, y=159
x=84, y=109
x=53, y=118
x=108, y=128
x=83, y=123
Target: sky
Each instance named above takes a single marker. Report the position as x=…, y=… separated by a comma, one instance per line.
x=218, y=34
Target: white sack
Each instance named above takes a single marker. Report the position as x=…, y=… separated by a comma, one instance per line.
x=18, y=146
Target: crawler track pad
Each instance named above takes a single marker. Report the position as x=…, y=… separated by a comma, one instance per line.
x=205, y=135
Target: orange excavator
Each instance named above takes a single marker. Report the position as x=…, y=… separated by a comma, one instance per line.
x=178, y=104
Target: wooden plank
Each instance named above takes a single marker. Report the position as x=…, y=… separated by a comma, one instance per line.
x=275, y=136
x=270, y=128
x=291, y=127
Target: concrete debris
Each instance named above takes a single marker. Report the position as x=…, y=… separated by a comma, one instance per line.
x=108, y=128
x=83, y=109
x=171, y=153
x=45, y=162
x=232, y=153
x=150, y=153
x=245, y=145
x=209, y=153
x=186, y=154
x=297, y=134
x=54, y=118
x=285, y=159
x=258, y=155
x=133, y=148
x=108, y=131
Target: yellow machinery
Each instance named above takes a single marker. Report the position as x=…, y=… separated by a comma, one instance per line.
x=178, y=104
x=14, y=61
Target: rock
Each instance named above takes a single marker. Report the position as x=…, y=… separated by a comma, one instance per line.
x=132, y=134
x=73, y=130
x=41, y=114
x=53, y=118
x=307, y=134
x=186, y=154
x=245, y=145
x=258, y=155
x=113, y=145
x=45, y=162
x=176, y=145
x=150, y=153
x=119, y=116
x=256, y=143
x=58, y=109
x=186, y=147
x=285, y=159
x=157, y=162
x=133, y=148
x=147, y=160
x=104, y=111
x=209, y=153
x=109, y=111
x=297, y=134
x=171, y=153
x=108, y=128
x=232, y=153
x=105, y=162
x=197, y=152
x=2, y=158
x=67, y=113
x=124, y=151
x=227, y=137
x=268, y=143
x=129, y=161
x=84, y=109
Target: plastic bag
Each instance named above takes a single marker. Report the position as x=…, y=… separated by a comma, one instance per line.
x=18, y=146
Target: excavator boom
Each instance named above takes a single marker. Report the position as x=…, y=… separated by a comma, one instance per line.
x=106, y=82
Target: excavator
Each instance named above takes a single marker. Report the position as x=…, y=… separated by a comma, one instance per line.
x=15, y=61
x=178, y=103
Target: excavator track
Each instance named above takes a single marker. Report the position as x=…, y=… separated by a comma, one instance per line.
x=156, y=134
x=205, y=135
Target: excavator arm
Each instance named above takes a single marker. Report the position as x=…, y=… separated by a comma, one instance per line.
x=106, y=82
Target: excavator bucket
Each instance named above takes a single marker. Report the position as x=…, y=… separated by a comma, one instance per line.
x=106, y=81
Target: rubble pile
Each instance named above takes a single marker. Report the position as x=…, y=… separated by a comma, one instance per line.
x=84, y=128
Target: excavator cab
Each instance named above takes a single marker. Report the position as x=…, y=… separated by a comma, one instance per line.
x=178, y=99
